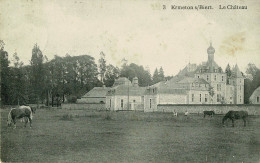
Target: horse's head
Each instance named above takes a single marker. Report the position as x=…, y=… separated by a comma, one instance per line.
x=9, y=122
x=33, y=109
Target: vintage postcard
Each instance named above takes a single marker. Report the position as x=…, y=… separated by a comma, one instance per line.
x=130, y=81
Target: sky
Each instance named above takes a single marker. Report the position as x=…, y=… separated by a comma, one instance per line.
x=142, y=32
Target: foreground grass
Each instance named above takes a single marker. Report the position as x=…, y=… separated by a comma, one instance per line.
x=81, y=136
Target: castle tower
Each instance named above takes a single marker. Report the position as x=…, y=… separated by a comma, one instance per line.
x=237, y=80
x=210, y=52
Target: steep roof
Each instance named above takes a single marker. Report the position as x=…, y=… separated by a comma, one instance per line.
x=209, y=67
x=173, y=91
x=193, y=80
x=126, y=90
x=256, y=92
x=121, y=80
x=236, y=73
x=97, y=92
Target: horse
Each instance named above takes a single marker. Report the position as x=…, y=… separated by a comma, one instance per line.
x=18, y=113
x=235, y=115
x=209, y=113
x=175, y=114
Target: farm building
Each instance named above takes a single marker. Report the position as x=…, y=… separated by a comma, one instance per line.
x=254, y=98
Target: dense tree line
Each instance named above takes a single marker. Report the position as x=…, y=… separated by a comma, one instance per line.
x=70, y=77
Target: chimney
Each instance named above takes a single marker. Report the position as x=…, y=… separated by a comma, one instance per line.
x=135, y=82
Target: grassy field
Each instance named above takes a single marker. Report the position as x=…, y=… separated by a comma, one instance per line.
x=80, y=136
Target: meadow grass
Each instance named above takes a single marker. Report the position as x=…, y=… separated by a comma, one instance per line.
x=128, y=137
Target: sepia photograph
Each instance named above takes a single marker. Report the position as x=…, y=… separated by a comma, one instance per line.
x=130, y=81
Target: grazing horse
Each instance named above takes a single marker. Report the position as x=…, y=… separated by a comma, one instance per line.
x=18, y=113
x=235, y=115
x=209, y=113
x=175, y=113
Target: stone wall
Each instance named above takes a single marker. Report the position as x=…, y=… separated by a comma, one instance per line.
x=84, y=106
x=219, y=109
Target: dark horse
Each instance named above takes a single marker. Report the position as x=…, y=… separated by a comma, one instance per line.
x=235, y=115
x=20, y=112
x=209, y=113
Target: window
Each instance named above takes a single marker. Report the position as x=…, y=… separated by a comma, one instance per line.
x=219, y=87
x=192, y=84
x=206, y=98
x=240, y=99
x=200, y=97
x=240, y=80
x=134, y=101
x=257, y=99
x=240, y=88
x=153, y=90
x=122, y=103
x=150, y=103
x=198, y=76
x=218, y=97
x=207, y=77
x=222, y=78
x=215, y=77
x=192, y=97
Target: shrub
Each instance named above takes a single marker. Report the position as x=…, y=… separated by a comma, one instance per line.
x=72, y=99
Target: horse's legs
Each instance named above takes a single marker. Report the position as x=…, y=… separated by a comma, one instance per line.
x=30, y=121
x=26, y=121
x=233, y=125
x=244, y=122
x=14, y=121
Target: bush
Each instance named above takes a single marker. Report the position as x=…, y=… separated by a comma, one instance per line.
x=72, y=99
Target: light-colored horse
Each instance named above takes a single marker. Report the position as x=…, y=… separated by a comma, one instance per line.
x=175, y=113
x=18, y=113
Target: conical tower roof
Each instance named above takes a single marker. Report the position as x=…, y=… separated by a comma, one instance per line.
x=236, y=73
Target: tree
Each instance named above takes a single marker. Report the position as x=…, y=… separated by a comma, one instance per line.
x=102, y=66
x=228, y=72
x=134, y=70
x=4, y=70
x=252, y=69
x=37, y=78
x=211, y=93
x=161, y=74
x=155, y=76
x=250, y=86
x=18, y=85
x=111, y=74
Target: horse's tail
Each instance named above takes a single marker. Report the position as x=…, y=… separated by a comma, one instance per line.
x=9, y=117
x=31, y=116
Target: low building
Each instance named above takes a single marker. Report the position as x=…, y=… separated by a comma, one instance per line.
x=254, y=98
x=125, y=95
x=96, y=95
